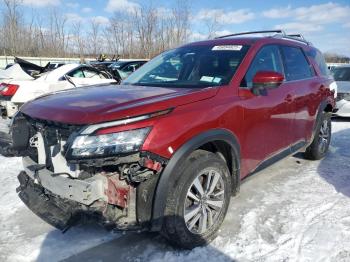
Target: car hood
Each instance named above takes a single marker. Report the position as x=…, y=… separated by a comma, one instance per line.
x=103, y=103
x=343, y=86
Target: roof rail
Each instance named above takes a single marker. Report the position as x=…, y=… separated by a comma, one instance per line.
x=299, y=36
x=281, y=33
x=254, y=32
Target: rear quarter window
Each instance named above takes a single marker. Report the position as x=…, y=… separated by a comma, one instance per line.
x=320, y=62
x=296, y=65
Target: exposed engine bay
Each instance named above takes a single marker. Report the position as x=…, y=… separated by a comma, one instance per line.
x=115, y=190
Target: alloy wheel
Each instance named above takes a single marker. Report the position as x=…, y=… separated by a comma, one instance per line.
x=204, y=201
x=324, y=136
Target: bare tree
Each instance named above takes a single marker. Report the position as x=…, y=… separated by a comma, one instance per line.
x=11, y=25
x=144, y=33
x=181, y=16
x=79, y=41
x=212, y=26
x=94, y=37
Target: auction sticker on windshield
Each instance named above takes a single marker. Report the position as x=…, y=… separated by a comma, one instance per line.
x=227, y=48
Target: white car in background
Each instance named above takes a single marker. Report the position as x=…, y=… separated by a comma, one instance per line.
x=15, y=93
x=15, y=72
x=341, y=75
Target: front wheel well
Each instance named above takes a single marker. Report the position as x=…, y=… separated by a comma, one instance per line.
x=225, y=151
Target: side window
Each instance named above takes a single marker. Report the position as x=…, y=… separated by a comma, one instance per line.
x=77, y=73
x=91, y=73
x=295, y=63
x=267, y=59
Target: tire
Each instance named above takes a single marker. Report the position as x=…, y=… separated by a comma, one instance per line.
x=320, y=144
x=182, y=226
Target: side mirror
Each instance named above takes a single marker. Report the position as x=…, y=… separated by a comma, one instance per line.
x=264, y=80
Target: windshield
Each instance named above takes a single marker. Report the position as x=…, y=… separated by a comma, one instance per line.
x=191, y=66
x=341, y=73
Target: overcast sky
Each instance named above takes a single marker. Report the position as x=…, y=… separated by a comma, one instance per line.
x=324, y=23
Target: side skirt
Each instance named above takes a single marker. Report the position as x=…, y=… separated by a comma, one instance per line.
x=275, y=158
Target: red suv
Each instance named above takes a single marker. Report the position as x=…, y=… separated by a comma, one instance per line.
x=167, y=149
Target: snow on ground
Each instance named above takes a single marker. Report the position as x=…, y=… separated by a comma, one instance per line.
x=296, y=210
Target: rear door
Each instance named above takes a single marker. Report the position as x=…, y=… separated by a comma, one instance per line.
x=302, y=85
x=267, y=119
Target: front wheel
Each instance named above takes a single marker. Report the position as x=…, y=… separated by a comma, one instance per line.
x=319, y=146
x=198, y=201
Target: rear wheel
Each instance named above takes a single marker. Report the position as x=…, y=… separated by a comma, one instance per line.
x=322, y=139
x=198, y=201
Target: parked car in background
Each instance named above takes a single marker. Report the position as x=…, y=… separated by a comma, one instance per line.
x=31, y=69
x=341, y=75
x=166, y=150
x=9, y=65
x=54, y=65
x=120, y=69
x=17, y=92
x=129, y=65
x=102, y=63
x=125, y=68
x=104, y=66
x=12, y=73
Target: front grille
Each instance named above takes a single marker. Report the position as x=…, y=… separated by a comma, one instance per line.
x=53, y=133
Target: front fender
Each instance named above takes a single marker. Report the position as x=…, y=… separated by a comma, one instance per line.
x=180, y=155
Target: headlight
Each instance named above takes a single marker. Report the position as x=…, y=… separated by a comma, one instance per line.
x=109, y=144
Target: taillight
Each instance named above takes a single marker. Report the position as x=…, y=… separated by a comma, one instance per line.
x=8, y=89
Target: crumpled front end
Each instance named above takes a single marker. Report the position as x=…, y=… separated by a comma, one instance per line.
x=117, y=191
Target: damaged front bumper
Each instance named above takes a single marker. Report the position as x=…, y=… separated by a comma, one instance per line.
x=82, y=191
x=62, y=201
x=60, y=214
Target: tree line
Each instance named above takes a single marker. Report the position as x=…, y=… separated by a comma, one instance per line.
x=336, y=58
x=143, y=32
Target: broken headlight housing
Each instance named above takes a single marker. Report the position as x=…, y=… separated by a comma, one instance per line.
x=87, y=146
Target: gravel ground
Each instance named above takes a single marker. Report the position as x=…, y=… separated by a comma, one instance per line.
x=295, y=210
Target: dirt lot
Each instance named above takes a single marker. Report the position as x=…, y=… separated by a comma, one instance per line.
x=295, y=210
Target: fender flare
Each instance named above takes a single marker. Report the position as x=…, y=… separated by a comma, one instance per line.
x=324, y=103
x=182, y=153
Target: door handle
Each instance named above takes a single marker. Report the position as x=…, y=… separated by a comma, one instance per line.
x=288, y=98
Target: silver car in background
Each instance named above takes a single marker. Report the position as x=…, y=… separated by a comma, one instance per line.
x=341, y=75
